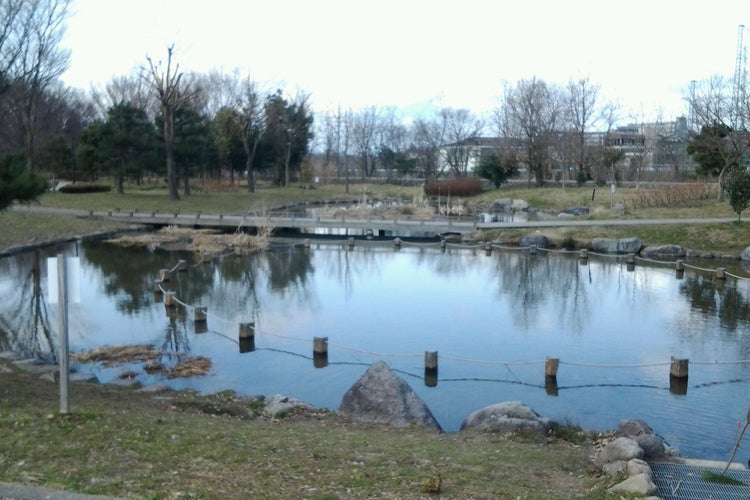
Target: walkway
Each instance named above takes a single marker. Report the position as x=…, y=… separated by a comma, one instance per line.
x=396, y=227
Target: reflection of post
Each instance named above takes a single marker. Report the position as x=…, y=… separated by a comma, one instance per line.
x=430, y=368
x=62, y=304
x=550, y=375
x=320, y=352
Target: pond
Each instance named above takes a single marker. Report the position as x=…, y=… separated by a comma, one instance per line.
x=493, y=317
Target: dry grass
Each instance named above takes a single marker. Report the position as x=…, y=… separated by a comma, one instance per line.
x=112, y=355
x=117, y=441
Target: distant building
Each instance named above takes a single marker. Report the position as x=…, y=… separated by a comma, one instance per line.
x=647, y=146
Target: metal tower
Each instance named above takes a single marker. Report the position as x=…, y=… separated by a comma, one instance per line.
x=740, y=77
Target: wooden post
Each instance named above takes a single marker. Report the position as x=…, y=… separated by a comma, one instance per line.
x=397, y=243
x=351, y=243
x=679, y=269
x=307, y=244
x=430, y=368
x=170, y=303
x=158, y=286
x=488, y=248
x=247, y=337
x=678, y=377
x=720, y=273
x=550, y=375
x=630, y=261
x=164, y=275
x=679, y=368
x=182, y=265
x=550, y=367
x=201, y=314
x=443, y=244
x=583, y=257
x=532, y=249
x=320, y=352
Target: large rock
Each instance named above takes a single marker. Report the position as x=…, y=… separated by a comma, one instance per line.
x=633, y=427
x=640, y=484
x=663, y=251
x=616, y=245
x=381, y=396
x=534, y=240
x=653, y=446
x=509, y=416
x=279, y=404
x=621, y=449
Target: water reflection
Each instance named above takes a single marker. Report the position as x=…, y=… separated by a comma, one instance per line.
x=24, y=309
x=480, y=312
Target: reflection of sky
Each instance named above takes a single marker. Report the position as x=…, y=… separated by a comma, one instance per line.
x=507, y=307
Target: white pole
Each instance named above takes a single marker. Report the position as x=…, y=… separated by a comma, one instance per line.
x=62, y=304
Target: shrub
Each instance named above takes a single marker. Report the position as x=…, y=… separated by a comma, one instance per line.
x=460, y=186
x=81, y=188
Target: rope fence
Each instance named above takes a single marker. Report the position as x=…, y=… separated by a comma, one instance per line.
x=678, y=371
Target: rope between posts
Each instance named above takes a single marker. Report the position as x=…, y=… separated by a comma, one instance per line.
x=484, y=362
x=374, y=353
x=705, y=269
x=653, y=261
x=592, y=365
x=739, y=362
x=459, y=359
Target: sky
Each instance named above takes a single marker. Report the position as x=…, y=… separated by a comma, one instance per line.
x=415, y=54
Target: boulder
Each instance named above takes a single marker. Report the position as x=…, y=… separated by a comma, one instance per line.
x=278, y=404
x=621, y=449
x=381, y=396
x=501, y=205
x=640, y=484
x=509, y=416
x=633, y=427
x=576, y=211
x=615, y=245
x=745, y=255
x=534, y=240
x=652, y=445
x=663, y=251
x=519, y=205
x=637, y=466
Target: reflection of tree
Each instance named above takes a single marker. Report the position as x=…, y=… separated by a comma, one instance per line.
x=24, y=318
x=127, y=273
x=725, y=302
x=288, y=270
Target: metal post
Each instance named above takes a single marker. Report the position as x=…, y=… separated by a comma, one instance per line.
x=62, y=304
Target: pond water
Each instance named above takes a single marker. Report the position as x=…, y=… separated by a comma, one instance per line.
x=492, y=318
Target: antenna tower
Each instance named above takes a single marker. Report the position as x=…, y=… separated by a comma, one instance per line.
x=740, y=76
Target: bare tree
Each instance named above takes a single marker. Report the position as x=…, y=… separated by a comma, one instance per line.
x=253, y=122
x=428, y=137
x=364, y=139
x=37, y=61
x=530, y=112
x=722, y=129
x=14, y=29
x=580, y=115
x=124, y=89
x=459, y=125
x=166, y=81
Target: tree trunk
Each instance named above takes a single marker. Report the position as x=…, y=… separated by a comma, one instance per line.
x=174, y=194
x=186, y=180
